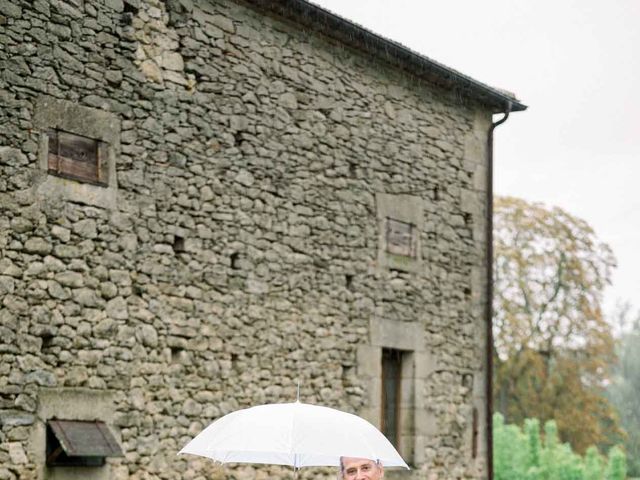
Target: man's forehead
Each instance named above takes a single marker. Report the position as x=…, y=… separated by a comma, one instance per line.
x=351, y=461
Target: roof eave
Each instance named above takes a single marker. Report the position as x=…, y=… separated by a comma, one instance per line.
x=338, y=28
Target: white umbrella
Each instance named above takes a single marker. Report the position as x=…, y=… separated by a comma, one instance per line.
x=296, y=434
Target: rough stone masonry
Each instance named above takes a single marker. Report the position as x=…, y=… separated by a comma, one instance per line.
x=239, y=240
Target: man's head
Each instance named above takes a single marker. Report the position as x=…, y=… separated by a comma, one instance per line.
x=360, y=469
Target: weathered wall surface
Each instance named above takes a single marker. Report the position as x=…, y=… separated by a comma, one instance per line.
x=239, y=250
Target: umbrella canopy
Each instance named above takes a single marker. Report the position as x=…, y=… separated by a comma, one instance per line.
x=296, y=434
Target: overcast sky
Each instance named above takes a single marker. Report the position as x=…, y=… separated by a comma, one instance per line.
x=576, y=64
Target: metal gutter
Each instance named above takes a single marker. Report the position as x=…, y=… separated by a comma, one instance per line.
x=489, y=291
x=316, y=18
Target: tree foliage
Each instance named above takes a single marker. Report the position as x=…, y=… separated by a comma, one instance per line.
x=624, y=389
x=552, y=344
x=523, y=455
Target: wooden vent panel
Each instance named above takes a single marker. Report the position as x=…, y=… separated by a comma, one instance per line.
x=80, y=443
x=400, y=238
x=76, y=157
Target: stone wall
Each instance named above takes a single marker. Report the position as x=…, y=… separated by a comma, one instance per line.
x=237, y=248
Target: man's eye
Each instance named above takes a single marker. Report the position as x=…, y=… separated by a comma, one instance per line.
x=365, y=468
x=351, y=471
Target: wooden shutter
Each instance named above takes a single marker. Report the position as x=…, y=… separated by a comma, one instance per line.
x=77, y=157
x=400, y=239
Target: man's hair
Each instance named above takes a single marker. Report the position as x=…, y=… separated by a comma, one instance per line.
x=377, y=462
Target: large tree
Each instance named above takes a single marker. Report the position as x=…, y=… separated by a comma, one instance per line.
x=552, y=344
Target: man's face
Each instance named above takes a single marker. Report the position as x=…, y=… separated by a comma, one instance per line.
x=361, y=469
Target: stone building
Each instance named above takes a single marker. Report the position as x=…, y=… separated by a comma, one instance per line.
x=205, y=202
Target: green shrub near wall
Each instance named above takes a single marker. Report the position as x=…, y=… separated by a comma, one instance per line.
x=525, y=454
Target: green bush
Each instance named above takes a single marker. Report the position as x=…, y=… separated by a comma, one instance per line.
x=521, y=454
x=617, y=467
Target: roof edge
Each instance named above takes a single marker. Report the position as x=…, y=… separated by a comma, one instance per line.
x=319, y=19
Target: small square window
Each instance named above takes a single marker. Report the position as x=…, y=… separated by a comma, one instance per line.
x=77, y=157
x=72, y=443
x=400, y=220
x=400, y=238
x=178, y=244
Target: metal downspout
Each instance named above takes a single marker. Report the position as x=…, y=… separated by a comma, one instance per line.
x=489, y=303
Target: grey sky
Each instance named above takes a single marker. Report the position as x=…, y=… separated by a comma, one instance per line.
x=576, y=63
